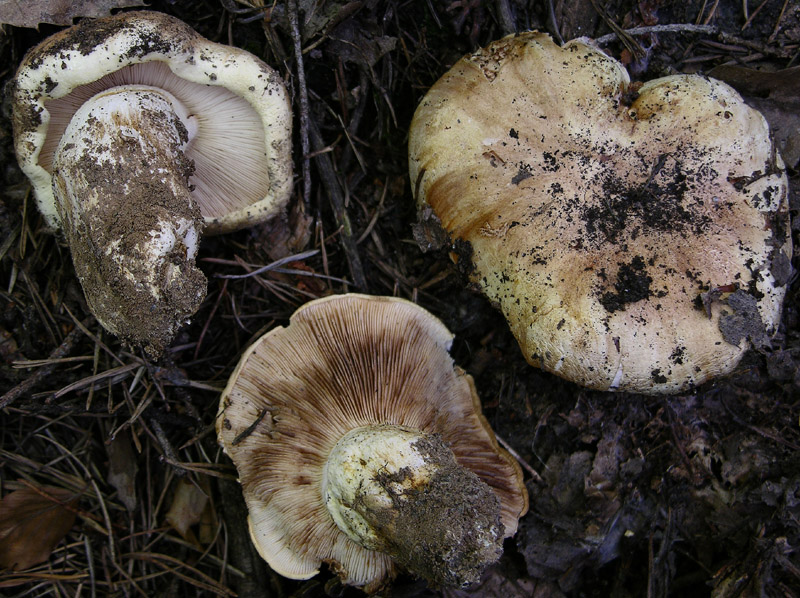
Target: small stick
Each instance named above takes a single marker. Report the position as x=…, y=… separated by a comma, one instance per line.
x=525, y=465
x=169, y=456
x=200, y=338
x=787, y=51
x=702, y=12
x=336, y=197
x=633, y=46
x=250, y=429
x=774, y=33
x=551, y=17
x=711, y=14
x=303, y=97
x=43, y=372
x=297, y=257
x=673, y=28
x=753, y=15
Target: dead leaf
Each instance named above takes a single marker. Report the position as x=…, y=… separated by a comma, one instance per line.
x=321, y=17
x=285, y=234
x=9, y=350
x=30, y=13
x=122, y=469
x=352, y=42
x=308, y=284
x=318, y=18
x=644, y=12
x=498, y=582
x=780, y=85
x=744, y=321
x=576, y=18
x=32, y=523
x=428, y=231
x=601, y=486
x=188, y=507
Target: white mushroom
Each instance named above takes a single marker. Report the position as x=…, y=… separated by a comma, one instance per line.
x=629, y=234
x=138, y=134
x=360, y=444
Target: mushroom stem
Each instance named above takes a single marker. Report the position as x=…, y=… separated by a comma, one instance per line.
x=121, y=182
x=400, y=491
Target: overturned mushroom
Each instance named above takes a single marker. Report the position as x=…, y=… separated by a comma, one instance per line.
x=138, y=134
x=611, y=222
x=358, y=443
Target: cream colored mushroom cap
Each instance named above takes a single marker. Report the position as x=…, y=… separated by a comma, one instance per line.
x=345, y=362
x=609, y=224
x=242, y=150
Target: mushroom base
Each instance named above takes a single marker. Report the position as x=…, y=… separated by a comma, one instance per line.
x=400, y=491
x=121, y=183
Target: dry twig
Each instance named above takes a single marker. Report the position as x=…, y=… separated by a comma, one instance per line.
x=40, y=375
x=335, y=196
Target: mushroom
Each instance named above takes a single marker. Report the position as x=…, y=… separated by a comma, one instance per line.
x=138, y=134
x=619, y=226
x=359, y=443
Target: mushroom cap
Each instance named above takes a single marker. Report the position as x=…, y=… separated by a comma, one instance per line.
x=242, y=149
x=345, y=362
x=611, y=224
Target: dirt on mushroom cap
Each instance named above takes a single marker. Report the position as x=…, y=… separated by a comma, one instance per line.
x=597, y=212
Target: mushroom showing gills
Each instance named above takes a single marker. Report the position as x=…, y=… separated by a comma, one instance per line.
x=138, y=134
x=635, y=236
x=358, y=443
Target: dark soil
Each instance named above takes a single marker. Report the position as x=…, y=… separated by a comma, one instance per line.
x=691, y=495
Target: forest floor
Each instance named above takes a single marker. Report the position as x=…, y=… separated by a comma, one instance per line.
x=693, y=495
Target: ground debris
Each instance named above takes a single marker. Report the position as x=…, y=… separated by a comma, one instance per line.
x=743, y=321
x=33, y=521
x=691, y=495
x=34, y=12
